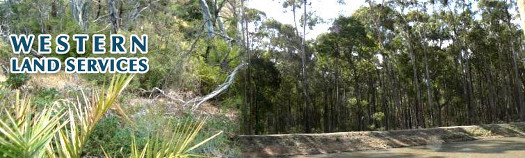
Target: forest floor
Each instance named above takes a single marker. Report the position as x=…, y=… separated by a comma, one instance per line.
x=306, y=144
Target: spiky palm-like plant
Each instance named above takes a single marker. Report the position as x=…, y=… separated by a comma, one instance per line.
x=176, y=143
x=24, y=132
x=27, y=133
x=83, y=117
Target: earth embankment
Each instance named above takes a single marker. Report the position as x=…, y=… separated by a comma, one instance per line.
x=303, y=144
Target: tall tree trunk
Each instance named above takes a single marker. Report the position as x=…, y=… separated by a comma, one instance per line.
x=113, y=15
x=99, y=8
x=420, y=118
x=326, y=111
x=206, y=16
x=248, y=94
x=471, y=110
x=54, y=8
x=517, y=74
x=307, y=123
x=218, y=19
x=80, y=9
x=428, y=81
x=305, y=76
x=419, y=108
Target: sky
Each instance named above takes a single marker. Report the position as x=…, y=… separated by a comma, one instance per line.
x=326, y=9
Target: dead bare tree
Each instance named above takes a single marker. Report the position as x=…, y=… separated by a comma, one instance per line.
x=206, y=15
x=219, y=89
x=113, y=15
x=137, y=9
x=80, y=9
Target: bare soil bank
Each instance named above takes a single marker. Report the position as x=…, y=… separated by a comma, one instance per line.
x=302, y=144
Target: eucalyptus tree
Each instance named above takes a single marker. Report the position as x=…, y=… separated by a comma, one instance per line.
x=307, y=20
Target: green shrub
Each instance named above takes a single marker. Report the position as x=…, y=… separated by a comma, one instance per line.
x=17, y=80
x=46, y=97
x=222, y=145
x=112, y=135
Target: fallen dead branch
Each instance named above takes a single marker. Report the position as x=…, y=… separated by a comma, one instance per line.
x=198, y=101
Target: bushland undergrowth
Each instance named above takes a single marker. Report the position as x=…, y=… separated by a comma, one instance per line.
x=48, y=123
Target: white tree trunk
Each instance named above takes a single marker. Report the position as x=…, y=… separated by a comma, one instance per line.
x=79, y=8
x=206, y=16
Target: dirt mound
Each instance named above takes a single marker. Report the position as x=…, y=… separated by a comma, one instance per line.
x=301, y=144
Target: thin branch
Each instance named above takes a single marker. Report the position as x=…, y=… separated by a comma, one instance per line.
x=166, y=95
x=105, y=28
x=103, y=16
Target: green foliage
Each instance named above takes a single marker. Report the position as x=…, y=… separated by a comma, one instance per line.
x=352, y=101
x=5, y=49
x=233, y=102
x=177, y=142
x=210, y=76
x=378, y=116
x=151, y=119
x=46, y=97
x=111, y=136
x=17, y=80
x=222, y=145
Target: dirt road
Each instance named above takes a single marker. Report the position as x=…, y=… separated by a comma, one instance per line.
x=489, y=148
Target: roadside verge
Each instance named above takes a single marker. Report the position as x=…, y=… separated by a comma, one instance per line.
x=303, y=144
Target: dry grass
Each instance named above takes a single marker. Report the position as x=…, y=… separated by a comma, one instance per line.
x=60, y=81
